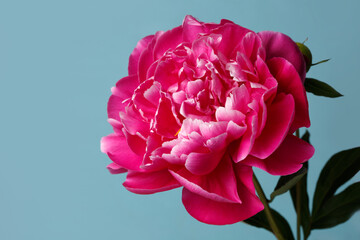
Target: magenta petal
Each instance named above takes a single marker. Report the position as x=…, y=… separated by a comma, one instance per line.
x=279, y=118
x=135, y=55
x=166, y=122
x=115, y=169
x=290, y=82
x=287, y=159
x=168, y=40
x=117, y=149
x=220, y=185
x=150, y=182
x=220, y=213
x=114, y=107
x=203, y=163
x=280, y=45
x=192, y=27
x=125, y=87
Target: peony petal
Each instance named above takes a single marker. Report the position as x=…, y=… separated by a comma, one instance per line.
x=115, y=169
x=209, y=211
x=168, y=41
x=135, y=55
x=125, y=87
x=166, y=122
x=287, y=159
x=241, y=148
x=117, y=149
x=192, y=27
x=150, y=182
x=219, y=185
x=280, y=45
x=290, y=82
x=279, y=118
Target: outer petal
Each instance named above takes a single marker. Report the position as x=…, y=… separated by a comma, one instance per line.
x=287, y=159
x=168, y=40
x=150, y=182
x=280, y=45
x=117, y=149
x=115, y=169
x=219, y=213
x=220, y=185
x=289, y=82
x=279, y=118
x=135, y=55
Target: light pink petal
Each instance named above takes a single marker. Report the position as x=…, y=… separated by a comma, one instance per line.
x=234, y=131
x=225, y=114
x=287, y=159
x=212, y=129
x=219, y=185
x=279, y=118
x=280, y=45
x=117, y=149
x=150, y=182
x=115, y=169
x=220, y=213
x=135, y=55
x=290, y=82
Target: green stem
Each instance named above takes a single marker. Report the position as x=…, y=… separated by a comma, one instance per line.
x=298, y=202
x=267, y=210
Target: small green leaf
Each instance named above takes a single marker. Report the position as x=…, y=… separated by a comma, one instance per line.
x=338, y=208
x=260, y=221
x=320, y=88
x=338, y=170
x=285, y=183
x=322, y=61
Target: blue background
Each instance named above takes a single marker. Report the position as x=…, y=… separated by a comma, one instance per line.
x=58, y=61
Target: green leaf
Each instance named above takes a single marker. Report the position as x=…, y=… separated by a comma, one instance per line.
x=338, y=170
x=260, y=221
x=286, y=182
x=320, y=88
x=338, y=208
x=305, y=218
x=320, y=62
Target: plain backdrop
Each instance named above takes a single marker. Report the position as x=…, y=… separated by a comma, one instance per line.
x=58, y=61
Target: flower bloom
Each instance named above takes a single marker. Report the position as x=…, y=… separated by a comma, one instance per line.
x=204, y=103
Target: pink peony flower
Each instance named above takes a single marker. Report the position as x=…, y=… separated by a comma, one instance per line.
x=202, y=105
